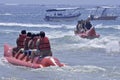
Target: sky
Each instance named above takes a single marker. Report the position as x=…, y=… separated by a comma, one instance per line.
x=69, y=2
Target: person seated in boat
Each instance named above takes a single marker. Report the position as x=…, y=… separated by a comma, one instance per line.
x=88, y=24
x=27, y=46
x=43, y=47
x=83, y=28
x=80, y=27
x=89, y=27
x=77, y=27
x=35, y=40
x=20, y=43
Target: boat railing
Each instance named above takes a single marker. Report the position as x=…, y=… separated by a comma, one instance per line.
x=63, y=14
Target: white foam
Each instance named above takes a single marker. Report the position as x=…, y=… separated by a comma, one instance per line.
x=3, y=61
x=29, y=25
x=35, y=25
x=14, y=4
x=59, y=34
x=108, y=26
x=83, y=69
x=7, y=14
x=113, y=46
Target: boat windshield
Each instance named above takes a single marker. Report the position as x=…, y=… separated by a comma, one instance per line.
x=62, y=11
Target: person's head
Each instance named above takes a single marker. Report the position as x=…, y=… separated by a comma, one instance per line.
x=79, y=21
x=23, y=32
x=29, y=34
x=88, y=20
x=42, y=34
x=32, y=36
x=38, y=34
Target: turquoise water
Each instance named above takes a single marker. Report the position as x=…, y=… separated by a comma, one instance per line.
x=96, y=59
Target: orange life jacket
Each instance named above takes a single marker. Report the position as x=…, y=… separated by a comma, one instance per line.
x=21, y=40
x=44, y=44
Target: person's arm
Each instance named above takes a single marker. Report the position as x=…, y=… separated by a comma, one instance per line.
x=17, y=41
x=37, y=44
x=49, y=43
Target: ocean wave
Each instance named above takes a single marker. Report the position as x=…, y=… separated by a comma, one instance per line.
x=88, y=69
x=3, y=61
x=73, y=42
x=34, y=25
x=108, y=26
x=11, y=78
x=113, y=47
x=11, y=4
x=6, y=14
x=76, y=44
x=78, y=68
x=63, y=26
x=19, y=14
x=60, y=34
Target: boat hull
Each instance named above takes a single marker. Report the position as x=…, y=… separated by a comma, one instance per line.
x=90, y=34
x=62, y=18
x=45, y=62
x=104, y=18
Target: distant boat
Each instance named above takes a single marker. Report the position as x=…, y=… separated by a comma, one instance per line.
x=62, y=14
x=104, y=15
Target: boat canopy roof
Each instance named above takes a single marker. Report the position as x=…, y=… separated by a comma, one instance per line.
x=108, y=7
x=102, y=7
x=61, y=9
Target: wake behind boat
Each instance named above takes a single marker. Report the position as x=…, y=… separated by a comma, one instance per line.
x=37, y=63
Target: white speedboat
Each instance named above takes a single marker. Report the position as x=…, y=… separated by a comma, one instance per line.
x=60, y=14
x=104, y=13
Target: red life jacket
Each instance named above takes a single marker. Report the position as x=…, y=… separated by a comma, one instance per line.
x=21, y=40
x=44, y=44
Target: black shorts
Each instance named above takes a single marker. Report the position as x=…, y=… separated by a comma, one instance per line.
x=27, y=52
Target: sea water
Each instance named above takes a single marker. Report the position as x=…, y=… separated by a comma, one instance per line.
x=86, y=59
